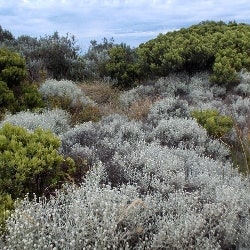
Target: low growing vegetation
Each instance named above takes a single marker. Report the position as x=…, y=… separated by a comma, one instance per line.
x=126, y=148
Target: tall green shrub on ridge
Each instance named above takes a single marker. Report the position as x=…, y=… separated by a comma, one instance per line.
x=223, y=49
x=122, y=65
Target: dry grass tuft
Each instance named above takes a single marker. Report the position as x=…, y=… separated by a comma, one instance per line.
x=106, y=96
x=139, y=110
x=100, y=92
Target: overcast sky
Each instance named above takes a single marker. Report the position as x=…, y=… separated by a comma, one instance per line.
x=129, y=21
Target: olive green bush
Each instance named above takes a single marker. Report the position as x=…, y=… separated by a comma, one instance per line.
x=216, y=125
x=15, y=94
x=122, y=66
x=29, y=98
x=7, y=98
x=29, y=163
x=221, y=48
x=12, y=67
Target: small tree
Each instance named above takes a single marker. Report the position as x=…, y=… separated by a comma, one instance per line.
x=122, y=65
x=60, y=57
x=12, y=68
x=96, y=58
x=14, y=94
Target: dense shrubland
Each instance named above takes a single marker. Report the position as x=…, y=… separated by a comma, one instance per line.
x=162, y=165
x=218, y=47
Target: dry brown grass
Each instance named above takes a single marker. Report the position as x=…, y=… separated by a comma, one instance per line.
x=100, y=92
x=139, y=110
x=107, y=99
x=104, y=95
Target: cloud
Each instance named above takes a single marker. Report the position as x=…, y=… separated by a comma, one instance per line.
x=130, y=21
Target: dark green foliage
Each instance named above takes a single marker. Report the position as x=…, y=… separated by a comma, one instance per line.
x=53, y=56
x=14, y=94
x=218, y=47
x=5, y=35
x=7, y=98
x=122, y=65
x=216, y=125
x=59, y=54
x=29, y=98
x=12, y=68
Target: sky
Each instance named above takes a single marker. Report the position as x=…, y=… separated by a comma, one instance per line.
x=129, y=21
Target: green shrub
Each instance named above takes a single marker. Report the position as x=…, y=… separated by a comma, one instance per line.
x=12, y=68
x=217, y=47
x=14, y=94
x=217, y=125
x=122, y=66
x=7, y=98
x=29, y=163
x=29, y=98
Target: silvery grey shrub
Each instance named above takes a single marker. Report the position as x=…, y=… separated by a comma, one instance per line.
x=201, y=90
x=240, y=111
x=244, y=86
x=206, y=209
x=215, y=149
x=200, y=95
x=243, y=89
x=172, y=85
x=65, y=89
x=113, y=134
x=56, y=120
x=177, y=131
x=217, y=104
x=240, y=108
x=168, y=107
x=136, y=94
x=197, y=89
